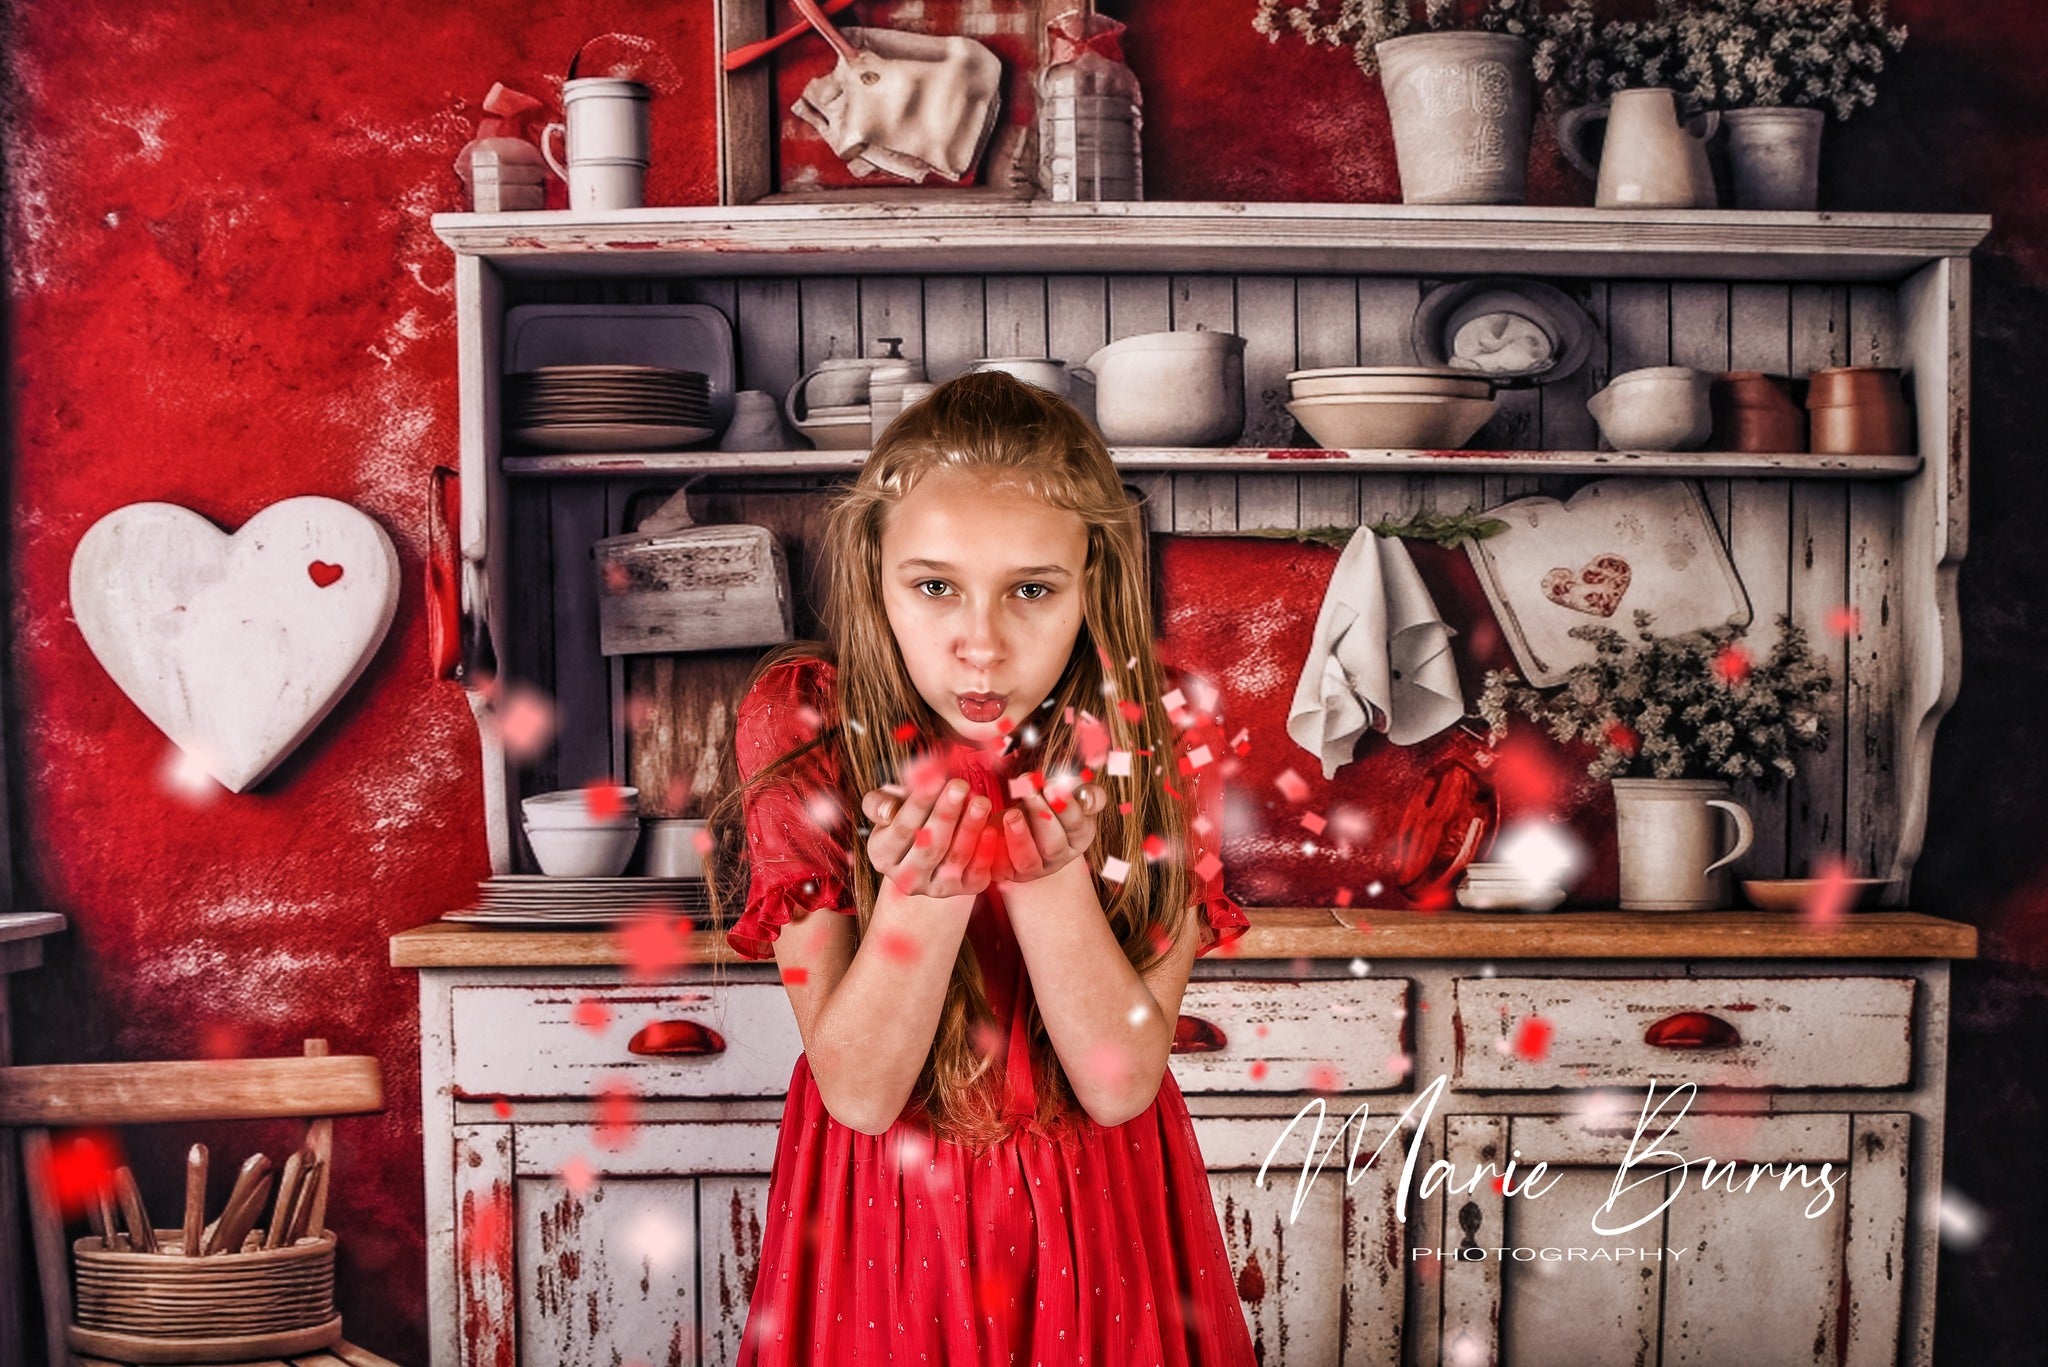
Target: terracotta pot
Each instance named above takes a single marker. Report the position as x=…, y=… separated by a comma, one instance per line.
x=1461, y=105
x=1755, y=412
x=1774, y=154
x=1858, y=410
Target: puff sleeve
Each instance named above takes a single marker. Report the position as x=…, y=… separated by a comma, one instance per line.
x=1199, y=751
x=798, y=831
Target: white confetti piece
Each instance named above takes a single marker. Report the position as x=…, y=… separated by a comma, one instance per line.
x=1175, y=701
x=1021, y=788
x=1200, y=756
x=1115, y=870
x=1119, y=764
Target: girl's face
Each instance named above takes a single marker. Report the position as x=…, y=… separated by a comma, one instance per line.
x=983, y=588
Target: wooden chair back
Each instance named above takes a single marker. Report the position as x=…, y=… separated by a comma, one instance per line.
x=33, y=1100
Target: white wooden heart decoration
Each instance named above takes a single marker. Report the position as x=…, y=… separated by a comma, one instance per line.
x=235, y=646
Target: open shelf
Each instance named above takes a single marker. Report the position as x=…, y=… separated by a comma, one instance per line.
x=815, y=238
x=1683, y=464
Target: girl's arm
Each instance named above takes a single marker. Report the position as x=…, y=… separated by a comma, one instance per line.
x=868, y=1017
x=1112, y=1027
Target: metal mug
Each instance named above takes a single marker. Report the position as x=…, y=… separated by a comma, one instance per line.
x=604, y=143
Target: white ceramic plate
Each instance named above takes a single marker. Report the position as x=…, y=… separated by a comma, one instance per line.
x=674, y=336
x=611, y=436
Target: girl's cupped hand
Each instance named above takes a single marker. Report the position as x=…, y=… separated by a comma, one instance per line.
x=936, y=842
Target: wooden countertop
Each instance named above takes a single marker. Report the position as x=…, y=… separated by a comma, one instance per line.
x=1327, y=933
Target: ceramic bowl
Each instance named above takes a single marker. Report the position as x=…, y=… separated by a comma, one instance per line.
x=672, y=848
x=1526, y=897
x=1797, y=894
x=587, y=852
x=569, y=809
x=853, y=432
x=1394, y=422
x=1412, y=381
x=1660, y=408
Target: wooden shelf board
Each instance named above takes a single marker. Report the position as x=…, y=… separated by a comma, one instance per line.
x=1332, y=933
x=909, y=235
x=1681, y=464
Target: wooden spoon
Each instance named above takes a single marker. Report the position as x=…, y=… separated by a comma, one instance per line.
x=195, y=1200
x=141, y=1234
x=253, y=1172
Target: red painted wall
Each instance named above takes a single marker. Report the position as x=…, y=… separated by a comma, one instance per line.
x=225, y=292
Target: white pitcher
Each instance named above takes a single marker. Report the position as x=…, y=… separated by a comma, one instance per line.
x=1668, y=838
x=1651, y=157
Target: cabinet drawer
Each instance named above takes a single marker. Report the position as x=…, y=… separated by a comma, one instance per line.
x=1716, y=1032
x=1339, y=1034
x=526, y=1041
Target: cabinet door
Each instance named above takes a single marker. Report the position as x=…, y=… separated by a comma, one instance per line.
x=1768, y=1271
x=1321, y=1282
x=586, y=1257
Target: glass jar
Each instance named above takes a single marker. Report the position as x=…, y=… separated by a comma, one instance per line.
x=1090, y=114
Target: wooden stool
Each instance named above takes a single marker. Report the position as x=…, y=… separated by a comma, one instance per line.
x=33, y=1100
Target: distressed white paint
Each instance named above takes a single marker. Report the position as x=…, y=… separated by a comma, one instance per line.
x=235, y=646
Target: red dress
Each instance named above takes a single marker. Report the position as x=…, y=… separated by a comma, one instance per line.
x=1096, y=1246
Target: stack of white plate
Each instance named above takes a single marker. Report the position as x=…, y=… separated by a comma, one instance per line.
x=1506, y=887
x=1396, y=408
x=527, y=899
x=839, y=427
x=608, y=407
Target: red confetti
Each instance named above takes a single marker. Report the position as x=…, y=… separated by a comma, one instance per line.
x=1162, y=943
x=905, y=733
x=1325, y=1077
x=577, y=1175
x=81, y=1169
x=223, y=1041
x=1130, y=710
x=1732, y=663
x=1532, y=1039
x=1258, y=1070
x=1845, y=621
x=1500, y=1186
x=593, y=1015
x=923, y=838
x=501, y=1108
x=655, y=946
x=1124, y=808
x=796, y=977
x=616, y=578
x=1291, y=785
x=1623, y=737
x=1312, y=823
x=1208, y=866
x=1155, y=845
x=1831, y=895
x=1343, y=897
x=899, y=945
x=603, y=801
x=988, y=1039
x=487, y=1227
x=615, y=1115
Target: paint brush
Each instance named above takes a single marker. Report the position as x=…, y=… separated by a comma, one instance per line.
x=254, y=1171
x=141, y=1234
x=195, y=1200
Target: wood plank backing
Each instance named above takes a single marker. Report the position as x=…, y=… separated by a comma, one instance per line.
x=210, y=1089
x=1819, y=590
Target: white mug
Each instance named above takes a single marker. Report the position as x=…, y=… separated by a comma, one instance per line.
x=604, y=142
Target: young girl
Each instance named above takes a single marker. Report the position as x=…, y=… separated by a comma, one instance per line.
x=981, y=850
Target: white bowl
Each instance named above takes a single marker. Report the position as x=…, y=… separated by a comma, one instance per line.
x=589, y=852
x=672, y=848
x=852, y=433
x=1466, y=387
x=1391, y=422
x=1658, y=408
x=570, y=810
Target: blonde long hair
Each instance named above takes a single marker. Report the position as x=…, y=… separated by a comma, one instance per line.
x=995, y=426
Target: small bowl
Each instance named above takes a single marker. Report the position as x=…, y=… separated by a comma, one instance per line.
x=672, y=848
x=854, y=432
x=1466, y=386
x=1659, y=408
x=1796, y=894
x=569, y=809
x=1352, y=422
x=588, y=852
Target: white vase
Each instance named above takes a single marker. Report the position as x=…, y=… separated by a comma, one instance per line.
x=1669, y=841
x=1461, y=106
x=1774, y=154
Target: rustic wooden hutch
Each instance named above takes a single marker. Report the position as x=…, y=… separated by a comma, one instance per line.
x=1843, y=1035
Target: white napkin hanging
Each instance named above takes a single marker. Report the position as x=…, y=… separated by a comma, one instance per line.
x=911, y=104
x=1380, y=658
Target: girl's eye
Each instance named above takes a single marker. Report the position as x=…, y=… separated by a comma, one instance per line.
x=1044, y=590
x=925, y=584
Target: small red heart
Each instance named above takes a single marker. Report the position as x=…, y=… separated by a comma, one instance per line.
x=323, y=573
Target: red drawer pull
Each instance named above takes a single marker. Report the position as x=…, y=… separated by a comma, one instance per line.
x=1193, y=1035
x=664, y=1039
x=1692, y=1030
